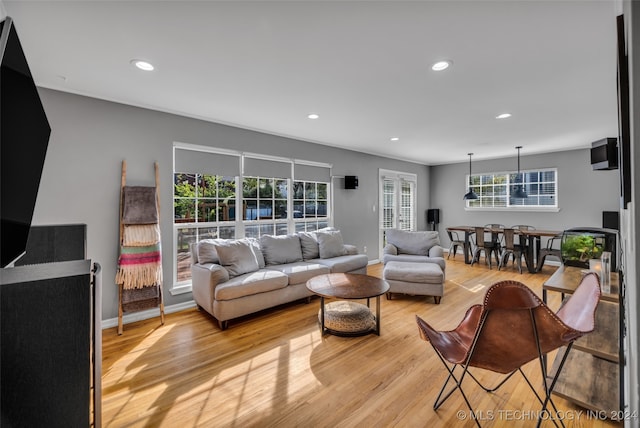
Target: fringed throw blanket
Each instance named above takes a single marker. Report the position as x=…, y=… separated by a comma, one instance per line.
x=140, y=235
x=139, y=267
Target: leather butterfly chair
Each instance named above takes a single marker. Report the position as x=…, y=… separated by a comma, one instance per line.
x=511, y=328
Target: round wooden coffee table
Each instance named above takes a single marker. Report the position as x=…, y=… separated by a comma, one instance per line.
x=348, y=318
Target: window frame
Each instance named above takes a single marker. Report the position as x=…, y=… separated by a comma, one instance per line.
x=239, y=223
x=509, y=185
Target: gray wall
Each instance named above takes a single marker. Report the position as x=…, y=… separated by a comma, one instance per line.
x=90, y=138
x=582, y=193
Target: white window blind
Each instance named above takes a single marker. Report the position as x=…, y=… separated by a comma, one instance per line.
x=210, y=163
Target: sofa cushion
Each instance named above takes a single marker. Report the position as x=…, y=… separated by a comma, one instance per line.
x=279, y=250
x=237, y=257
x=344, y=264
x=301, y=272
x=422, y=273
x=330, y=244
x=248, y=284
x=309, y=245
x=408, y=242
x=414, y=259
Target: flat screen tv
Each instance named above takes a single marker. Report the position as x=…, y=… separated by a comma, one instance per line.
x=24, y=137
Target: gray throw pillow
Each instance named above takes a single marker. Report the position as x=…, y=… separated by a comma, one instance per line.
x=330, y=244
x=278, y=250
x=309, y=245
x=207, y=251
x=237, y=257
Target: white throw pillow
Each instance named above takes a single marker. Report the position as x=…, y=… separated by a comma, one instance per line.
x=255, y=246
x=330, y=244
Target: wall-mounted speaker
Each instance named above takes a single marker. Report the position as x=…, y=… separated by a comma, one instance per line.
x=350, y=181
x=604, y=154
x=433, y=215
x=611, y=220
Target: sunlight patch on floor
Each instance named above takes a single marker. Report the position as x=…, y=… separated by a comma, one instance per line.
x=249, y=387
x=125, y=368
x=474, y=289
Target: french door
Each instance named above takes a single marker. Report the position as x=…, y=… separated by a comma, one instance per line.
x=397, y=202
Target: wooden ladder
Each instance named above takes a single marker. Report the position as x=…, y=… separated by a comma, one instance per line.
x=120, y=286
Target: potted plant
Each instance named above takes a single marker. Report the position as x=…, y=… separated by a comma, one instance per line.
x=578, y=249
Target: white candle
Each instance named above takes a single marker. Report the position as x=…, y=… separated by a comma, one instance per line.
x=595, y=265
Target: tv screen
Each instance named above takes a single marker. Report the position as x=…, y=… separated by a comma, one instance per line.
x=24, y=137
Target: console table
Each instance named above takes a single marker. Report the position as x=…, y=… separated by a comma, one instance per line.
x=592, y=375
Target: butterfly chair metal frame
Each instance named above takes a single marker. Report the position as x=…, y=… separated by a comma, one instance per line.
x=482, y=341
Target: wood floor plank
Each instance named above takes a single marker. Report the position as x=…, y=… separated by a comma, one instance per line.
x=274, y=369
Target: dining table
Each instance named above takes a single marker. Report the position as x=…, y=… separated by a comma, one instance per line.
x=532, y=242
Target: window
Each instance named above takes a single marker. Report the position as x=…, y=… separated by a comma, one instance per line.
x=407, y=220
x=310, y=205
x=264, y=206
x=494, y=190
x=226, y=194
x=204, y=207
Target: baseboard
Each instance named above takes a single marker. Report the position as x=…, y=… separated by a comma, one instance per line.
x=373, y=262
x=146, y=314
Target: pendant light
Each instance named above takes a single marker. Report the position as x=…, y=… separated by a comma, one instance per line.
x=470, y=194
x=519, y=193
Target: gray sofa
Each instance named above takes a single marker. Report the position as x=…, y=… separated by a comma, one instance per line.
x=414, y=263
x=233, y=278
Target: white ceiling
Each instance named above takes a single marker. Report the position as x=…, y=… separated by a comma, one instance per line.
x=363, y=66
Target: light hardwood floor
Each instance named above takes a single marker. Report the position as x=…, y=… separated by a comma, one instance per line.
x=274, y=369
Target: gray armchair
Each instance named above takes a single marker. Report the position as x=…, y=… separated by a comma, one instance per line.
x=414, y=263
x=418, y=247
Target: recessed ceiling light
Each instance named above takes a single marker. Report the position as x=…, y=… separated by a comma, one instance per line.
x=441, y=65
x=394, y=138
x=313, y=116
x=142, y=65
x=503, y=116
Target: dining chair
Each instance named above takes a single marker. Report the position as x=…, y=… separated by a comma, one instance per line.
x=509, y=329
x=510, y=249
x=522, y=240
x=488, y=247
x=496, y=236
x=455, y=243
x=523, y=227
x=551, y=249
